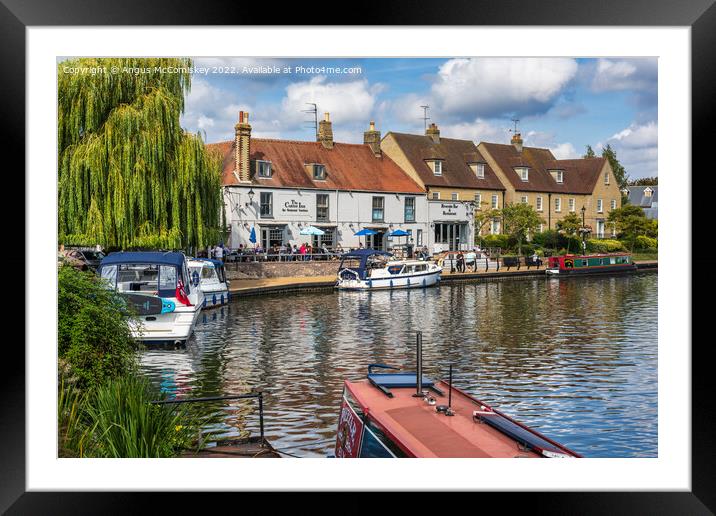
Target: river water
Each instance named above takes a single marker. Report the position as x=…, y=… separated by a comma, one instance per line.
x=575, y=358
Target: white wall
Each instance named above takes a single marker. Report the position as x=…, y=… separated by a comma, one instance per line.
x=348, y=211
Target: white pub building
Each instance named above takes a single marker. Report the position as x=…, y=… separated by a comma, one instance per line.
x=279, y=187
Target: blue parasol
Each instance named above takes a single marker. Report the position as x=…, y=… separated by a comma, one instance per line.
x=398, y=233
x=252, y=236
x=366, y=231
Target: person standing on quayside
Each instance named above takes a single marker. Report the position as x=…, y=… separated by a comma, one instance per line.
x=219, y=253
x=460, y=262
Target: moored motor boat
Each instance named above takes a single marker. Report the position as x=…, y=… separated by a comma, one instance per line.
x=210, y=277
x=571, y=264
x=157, y=288
x=368, y=269
x=409, y=415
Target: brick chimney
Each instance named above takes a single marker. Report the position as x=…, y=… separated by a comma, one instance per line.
x=372, y=137
x=517, y=141
x=433, y=132
x=325, y=132
x=242, y=148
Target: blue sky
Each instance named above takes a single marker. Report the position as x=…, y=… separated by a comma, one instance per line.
x=563, y=104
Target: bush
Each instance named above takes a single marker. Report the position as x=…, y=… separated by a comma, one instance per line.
x=547, y=238
x=604, y=246
x=501, y=241
x=94, y=340
x=644, y=242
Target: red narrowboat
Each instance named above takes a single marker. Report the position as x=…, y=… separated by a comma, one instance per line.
x=408, y=415
x=590, y=264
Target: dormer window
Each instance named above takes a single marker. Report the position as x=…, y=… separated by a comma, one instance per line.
x=319, y=172
x=438, y=167
x=478, y=169
x=263, y=168
x=523, y=173
x=558, y=175
x=648, y=191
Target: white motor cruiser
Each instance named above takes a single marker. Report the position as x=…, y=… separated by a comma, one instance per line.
x=368, y=269
x=158, y=290
x=210, y=276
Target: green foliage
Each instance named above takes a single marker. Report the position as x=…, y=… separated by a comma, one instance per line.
x=126, y=424
x=590, y=152
x=518, y=220
x=116, y=419
x=501, y=241
x=482, y=219
x=630, y=222
x=644, y=181
x=645, y=243
x=128, y=175
x=94, y=341
x=548, y=238
x=568, y=227
x=604, y=246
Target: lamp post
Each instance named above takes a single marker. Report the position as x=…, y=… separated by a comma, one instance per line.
x=584, y=230
x=251, y=197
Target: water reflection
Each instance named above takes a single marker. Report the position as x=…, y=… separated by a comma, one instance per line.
x=575, y=358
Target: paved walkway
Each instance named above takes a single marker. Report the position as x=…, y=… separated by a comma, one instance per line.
x=268, y=285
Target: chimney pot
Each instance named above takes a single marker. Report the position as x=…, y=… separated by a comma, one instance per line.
x=517, y=141
x=433, y=132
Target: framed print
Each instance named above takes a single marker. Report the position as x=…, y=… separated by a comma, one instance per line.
x=432, y=238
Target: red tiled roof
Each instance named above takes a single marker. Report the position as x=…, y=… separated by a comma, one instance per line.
x=456, y=154
x=580, y=175
x=348, y=166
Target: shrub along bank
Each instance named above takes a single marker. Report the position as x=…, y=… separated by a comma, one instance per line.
x=104, y=407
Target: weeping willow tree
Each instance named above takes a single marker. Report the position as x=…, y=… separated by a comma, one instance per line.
x=129, y=175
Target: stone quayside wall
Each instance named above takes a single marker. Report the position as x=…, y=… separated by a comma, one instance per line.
x=253, y=270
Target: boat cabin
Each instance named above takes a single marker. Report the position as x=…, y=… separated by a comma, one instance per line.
x=156, y=273
x=384, y=416
x=593, y=262
x=360, y=262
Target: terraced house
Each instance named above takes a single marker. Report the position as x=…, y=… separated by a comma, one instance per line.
x=555, y=187
x=457, y=179
x=276, y=188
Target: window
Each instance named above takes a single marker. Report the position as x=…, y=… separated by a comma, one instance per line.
x=438, y=167
x=481, y=170
x=523, y=172
x=606, y=178
x=524, y=199
x=410, y=209
x=436, y=196
x=109, y=274
x=614, y=204
x=263, y=168
x=539, y=204
x=378, y=204
x=495, y=204
x=455, y=196
x=558, y=204
x=560, y=176
x=139, y=278
x=600, y=207
x=319, y=172
x=266, y=205
x=478, y=200
x=648, y=192
x=571, y=204
x=322, y=207
x=495, y=227
x=167, y=277
x=419, y=237
x=327, y=238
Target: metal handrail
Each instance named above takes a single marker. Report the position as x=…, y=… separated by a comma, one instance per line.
x=258, y=395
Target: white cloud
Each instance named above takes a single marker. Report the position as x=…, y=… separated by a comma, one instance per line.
x=492, y=87
x=346, y=101
x=638, y=136
x=625, y=74
x=477, y=131
x=564, y=151
x=637, y=149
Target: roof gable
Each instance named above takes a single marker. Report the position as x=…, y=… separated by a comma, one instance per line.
x=456, y=156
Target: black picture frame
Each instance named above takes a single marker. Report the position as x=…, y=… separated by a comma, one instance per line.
x=700, y=15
